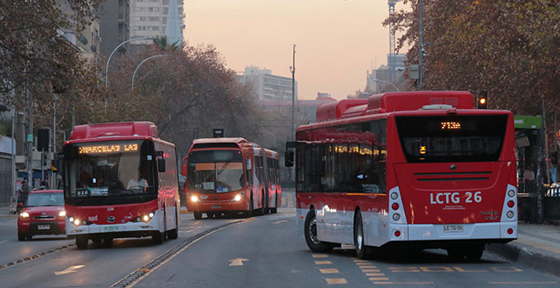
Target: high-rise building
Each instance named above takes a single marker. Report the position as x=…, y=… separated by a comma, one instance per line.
x=267, y=86
x=114, y=25
x=149, y=18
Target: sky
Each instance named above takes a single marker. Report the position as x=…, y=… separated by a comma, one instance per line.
x=337, y=41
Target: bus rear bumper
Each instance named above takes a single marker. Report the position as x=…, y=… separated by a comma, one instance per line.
x=424, y=232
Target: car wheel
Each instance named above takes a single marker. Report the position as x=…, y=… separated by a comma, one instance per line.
x=21, y=237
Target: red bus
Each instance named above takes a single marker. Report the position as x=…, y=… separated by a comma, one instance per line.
x=230, y=176
x=120, y=180
x=423, y=169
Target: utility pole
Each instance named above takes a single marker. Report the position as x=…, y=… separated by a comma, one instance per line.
x=29, y=137
x=420, y=45
x=293, y=69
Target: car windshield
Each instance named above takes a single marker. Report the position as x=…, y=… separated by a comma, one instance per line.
x=45, y=199
x=110, y=169
x=216, y=171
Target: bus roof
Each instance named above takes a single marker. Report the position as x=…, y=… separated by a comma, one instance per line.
x=392, y=102
x=115, y=129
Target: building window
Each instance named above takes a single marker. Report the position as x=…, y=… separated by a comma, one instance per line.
x=153, y=9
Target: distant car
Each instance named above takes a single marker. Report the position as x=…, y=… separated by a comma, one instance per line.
x=43, y=214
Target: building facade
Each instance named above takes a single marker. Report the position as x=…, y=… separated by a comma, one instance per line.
x=114, y=24
x=148, y=18
x=266, y=86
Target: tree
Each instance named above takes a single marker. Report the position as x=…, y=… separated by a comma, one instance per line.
x=509, y=48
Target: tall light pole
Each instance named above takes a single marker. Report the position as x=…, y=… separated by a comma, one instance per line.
x=420, y=45
x=138, y=67
x=293, y=70
x=115, y=50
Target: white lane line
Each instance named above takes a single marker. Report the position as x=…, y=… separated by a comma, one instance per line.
x=4, y=241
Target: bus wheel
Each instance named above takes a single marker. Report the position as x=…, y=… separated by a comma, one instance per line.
x=210, y=215
x=197, y=215
x=107, y=242
x=261, y=210
x=275, y=209
x=474, y=252
x=81, y=242
x=359, y=240
x=456, y=253
x=158, y=237
x=174, y=233
x=310, y=231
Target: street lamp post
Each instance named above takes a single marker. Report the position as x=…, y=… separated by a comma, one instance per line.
x=138, y=67
x=293, y=70
x=384, y=81
x=115, y=50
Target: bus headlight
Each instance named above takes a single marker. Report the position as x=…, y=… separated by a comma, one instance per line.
x=76, y=222
x=146, y=218
x=194, y=199
x=237, y=198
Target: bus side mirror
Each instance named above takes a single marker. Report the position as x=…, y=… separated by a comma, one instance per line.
x=289, y=158
x=161, y=165
x=184, y=169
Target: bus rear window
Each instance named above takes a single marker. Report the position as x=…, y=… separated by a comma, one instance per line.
x=473, y=138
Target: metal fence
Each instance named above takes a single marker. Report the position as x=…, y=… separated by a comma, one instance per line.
x=552, y=204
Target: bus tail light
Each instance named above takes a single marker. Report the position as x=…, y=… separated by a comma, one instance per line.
x=395, y=206
x=510, y=231
x=397, y=233
x=511, y=203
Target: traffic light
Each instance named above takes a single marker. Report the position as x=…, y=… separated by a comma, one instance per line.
x=482, y=100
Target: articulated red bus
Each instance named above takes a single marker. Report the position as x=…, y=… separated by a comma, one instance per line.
x=423, y=169
x=120, y=180
x=229, y=176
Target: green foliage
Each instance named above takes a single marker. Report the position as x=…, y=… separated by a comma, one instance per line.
x=509, y=48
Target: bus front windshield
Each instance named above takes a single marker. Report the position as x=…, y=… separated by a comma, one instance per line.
x=215, y=171
x=110, y=170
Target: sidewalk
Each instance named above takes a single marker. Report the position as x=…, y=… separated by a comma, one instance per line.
x=537, y=246
x=5, y=212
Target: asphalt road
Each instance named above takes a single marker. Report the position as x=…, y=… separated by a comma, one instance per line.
x=256, y=252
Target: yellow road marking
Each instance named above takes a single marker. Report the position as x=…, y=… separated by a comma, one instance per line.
x=381, y=283
x=363, y=263
x=370, y=270
x=521, y=283
x=320, y=255
x=323, y=262
x=329, y=271
x=375, y=274
x=379, y=278
x=459, y=269
x=336, y=281
x=368, y=267
x=281, y=221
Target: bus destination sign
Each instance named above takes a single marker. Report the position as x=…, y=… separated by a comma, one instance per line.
x=114, y=148
x=450, y=125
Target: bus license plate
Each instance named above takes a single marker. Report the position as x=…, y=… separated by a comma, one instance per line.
x=216, y=206
x=453, y=229
x=43, y=227
x=111, y=228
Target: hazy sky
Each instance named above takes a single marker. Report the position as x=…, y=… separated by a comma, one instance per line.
x=337, y=40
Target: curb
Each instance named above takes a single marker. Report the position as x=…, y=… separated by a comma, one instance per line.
x=537, y=259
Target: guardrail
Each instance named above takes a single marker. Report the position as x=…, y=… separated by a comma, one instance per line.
x=552, y=204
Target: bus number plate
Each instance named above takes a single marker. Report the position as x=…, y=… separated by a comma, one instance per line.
x=216, y=206
x=453, y=229
x=111, y=228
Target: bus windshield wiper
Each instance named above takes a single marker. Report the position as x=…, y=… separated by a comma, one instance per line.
x=223, y=167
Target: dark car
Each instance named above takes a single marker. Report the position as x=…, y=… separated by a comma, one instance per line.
x=43, y=214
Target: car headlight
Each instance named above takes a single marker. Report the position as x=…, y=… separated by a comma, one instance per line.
x=237, y=198
x=194, y=199
x=24, y=215
x=62, y=213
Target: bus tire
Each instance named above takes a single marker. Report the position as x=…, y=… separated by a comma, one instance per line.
x=275, y=209
x=474, y=252
x=359, y=240
x=174, y=233
x=81, y=242
x=310, y=232
x=197, y=215
x=158, y=237
x=107, y=242
x=261, y=210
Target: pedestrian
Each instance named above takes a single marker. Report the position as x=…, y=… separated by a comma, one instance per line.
x=44, y=185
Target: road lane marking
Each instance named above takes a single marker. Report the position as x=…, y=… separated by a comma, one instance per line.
x=375, y=274
x=281, y=221
x=370, y=270
x=4, y=241
x=368, y=267
x=403, y=283
x=320, y=255
x=459, y=269
x=379, y=278
x=68, y=270
x=237, y=262
x=336, y=281
x=323, y=262
x=522, y=283
x=329, y=271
